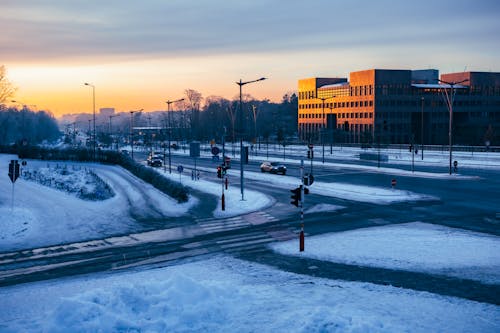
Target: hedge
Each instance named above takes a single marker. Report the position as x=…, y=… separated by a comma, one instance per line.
x=149, y=175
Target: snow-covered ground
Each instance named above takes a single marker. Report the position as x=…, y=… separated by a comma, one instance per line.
x=417, y=247
x=45, y=216
x=222, y=294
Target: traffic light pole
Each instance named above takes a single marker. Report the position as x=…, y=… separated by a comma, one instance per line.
x=301, y=236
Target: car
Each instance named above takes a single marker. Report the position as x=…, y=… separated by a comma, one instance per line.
x=273, y=167
x=154, y=160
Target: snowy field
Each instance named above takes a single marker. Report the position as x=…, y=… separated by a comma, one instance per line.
x=223, y=294
x=417, y=247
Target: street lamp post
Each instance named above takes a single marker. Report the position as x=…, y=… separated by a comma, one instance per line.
x=111, y=130
x=132, y=132
x=449, y=101
x=422, y=129
x=170, y=132
x=241, y=84
x=323, y=124
x=93, y=117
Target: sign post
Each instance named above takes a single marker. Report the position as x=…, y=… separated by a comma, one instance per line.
x=13, y=175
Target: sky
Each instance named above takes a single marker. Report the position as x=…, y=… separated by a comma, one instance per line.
x=140, y=54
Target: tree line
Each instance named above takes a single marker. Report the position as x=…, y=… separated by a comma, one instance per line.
x=198, y=118
x=23, y=126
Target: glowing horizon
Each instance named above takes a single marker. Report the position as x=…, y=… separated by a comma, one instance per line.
x=138, y=55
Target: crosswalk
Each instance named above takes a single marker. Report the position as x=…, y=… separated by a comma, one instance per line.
x=231, y=223
x=248, y=240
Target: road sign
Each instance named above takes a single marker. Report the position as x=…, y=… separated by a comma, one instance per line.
x=215, y=150
x=308, y=179
x=13, y=170
x=194, y=149
x=180, y=168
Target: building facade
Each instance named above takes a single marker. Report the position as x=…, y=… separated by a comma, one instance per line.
x=400, y=106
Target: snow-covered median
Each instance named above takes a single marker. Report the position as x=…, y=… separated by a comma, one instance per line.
x=415, y=247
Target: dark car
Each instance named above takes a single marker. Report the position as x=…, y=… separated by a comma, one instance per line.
x=273, y=167
x=155, y=160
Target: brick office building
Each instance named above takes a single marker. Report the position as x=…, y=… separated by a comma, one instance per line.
x=400, y=106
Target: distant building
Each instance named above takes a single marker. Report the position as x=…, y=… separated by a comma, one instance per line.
x=400, y=106
x=107, y=111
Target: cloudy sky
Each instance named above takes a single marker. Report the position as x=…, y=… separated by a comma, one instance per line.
x=139, y=54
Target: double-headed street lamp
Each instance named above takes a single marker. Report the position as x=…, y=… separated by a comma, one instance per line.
x=241, y=83
x=170, y=133
x=93, y=117
x=449, y=99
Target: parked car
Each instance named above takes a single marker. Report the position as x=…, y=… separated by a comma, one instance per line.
x=273, y=167
x=155, y=160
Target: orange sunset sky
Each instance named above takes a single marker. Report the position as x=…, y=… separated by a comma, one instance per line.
x=140, y=54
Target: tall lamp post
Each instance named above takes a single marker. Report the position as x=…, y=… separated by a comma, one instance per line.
x=170, y=132
x=449, y=99
x=241, y=84
x=93, y=117
x=111, y=130
x=132, y=131
x=323, y=124
x=422, y=128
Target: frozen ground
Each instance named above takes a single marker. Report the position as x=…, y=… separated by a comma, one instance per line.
x=223, y=294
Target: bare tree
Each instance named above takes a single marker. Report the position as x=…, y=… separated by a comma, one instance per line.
x=194, y=99
x=6, y=88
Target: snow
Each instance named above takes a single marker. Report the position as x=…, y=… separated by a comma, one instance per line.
x=43, y=216
x=417, y=247
x=253, y=200
x=222, y=294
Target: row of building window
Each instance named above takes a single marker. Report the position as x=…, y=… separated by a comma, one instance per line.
x=344, y=115
x=337, y=105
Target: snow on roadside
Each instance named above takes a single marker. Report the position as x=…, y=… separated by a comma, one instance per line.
x=43, y=216
x=254, y=201
x=223, y=294
x=418, y=247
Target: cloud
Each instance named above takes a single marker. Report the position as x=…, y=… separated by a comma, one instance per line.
x=91, y=29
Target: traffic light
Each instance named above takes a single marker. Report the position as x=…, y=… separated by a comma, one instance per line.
x=219, y=172
x=296, y=196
